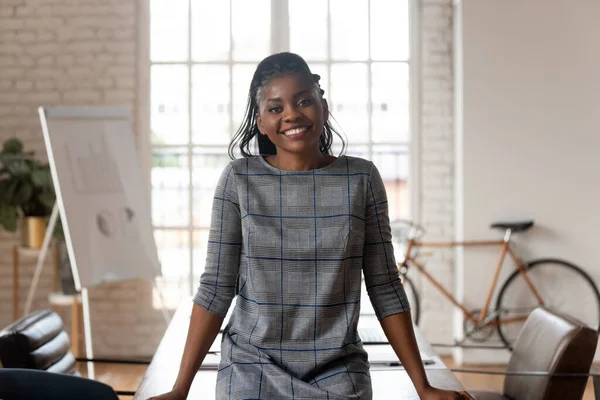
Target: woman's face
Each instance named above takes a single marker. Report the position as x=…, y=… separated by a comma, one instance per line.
x=292, y=114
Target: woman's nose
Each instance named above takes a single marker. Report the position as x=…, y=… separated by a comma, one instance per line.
x=291, y=114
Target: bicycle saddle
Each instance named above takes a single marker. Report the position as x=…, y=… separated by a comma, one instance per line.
x=513, y=226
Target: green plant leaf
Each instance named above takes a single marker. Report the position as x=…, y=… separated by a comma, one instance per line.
x=12, y=185
x=4, y=187
x=47, y=199
x=23, y=193
x=41, y=178
x=8, y=217
x=12, y=145
x=18, y=167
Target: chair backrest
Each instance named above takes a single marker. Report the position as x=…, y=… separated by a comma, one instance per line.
x=26, y=384
x=552, y=343
x=37, y=341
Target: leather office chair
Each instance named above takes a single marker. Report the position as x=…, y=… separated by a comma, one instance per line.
x=27, y=384
x=38, y=341
x=552, y=344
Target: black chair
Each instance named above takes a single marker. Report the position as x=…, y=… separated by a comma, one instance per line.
x=32, y=384
x=38, y=341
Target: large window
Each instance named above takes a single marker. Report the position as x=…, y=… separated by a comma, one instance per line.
x=203, y=55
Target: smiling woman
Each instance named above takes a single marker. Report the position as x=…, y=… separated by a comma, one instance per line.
x=287, y=113
x=203, y=56
x=292, y=230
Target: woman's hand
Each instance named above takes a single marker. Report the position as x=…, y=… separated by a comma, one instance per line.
x=172, y=395
x=432, y=393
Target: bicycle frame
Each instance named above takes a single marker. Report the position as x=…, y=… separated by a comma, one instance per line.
x=505, y=249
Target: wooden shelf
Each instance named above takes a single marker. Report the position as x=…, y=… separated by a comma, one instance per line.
x=61, y=299
x=28, y=251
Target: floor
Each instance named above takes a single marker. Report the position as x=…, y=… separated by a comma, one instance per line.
x=128, y=377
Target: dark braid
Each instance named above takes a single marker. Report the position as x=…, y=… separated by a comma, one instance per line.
x=273, y=66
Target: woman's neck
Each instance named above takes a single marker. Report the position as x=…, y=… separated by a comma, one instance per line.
x=299, y=162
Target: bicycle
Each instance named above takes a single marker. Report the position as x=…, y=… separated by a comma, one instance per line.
x=526, y=288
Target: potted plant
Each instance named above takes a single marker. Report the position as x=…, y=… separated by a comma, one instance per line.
x=26, y=193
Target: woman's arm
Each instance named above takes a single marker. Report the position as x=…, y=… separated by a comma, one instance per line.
x=217, y=283
x=204, y=327
x=387, y=293
x=399, y=330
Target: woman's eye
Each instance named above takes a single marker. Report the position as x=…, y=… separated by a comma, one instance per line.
x=305, y=102
x=275, y=110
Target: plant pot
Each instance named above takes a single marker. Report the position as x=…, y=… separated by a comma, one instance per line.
x=33, y=230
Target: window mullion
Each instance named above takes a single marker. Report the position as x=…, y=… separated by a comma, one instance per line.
x=370, y=84
x=190, y=156
x=280, y=26
x=329, y=58
x=230, y=60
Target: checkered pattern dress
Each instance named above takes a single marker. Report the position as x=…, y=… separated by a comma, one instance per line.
x=291, y=245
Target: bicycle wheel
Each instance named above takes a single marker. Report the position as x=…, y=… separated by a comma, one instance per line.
x=413, y=298
x=564, y=288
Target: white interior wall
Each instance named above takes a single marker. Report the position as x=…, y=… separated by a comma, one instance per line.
x=528, y=84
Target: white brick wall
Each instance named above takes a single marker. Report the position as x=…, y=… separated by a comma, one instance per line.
x=84, y=52
x=72, y=52
x=437, y=161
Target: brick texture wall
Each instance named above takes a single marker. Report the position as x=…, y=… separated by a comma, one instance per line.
x=72, y=52
x=437, y=161
x=85, y=52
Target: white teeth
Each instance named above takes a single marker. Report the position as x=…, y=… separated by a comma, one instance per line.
x=295, y=131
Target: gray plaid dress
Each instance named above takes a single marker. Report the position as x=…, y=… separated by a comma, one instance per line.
x=291, y=246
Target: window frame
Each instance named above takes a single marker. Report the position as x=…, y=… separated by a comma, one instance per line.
x=279, y=43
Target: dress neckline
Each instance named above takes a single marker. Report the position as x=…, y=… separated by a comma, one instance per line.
x=334, y=162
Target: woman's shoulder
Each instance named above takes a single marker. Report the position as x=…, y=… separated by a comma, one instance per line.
x=358, y=164
x=237, y=164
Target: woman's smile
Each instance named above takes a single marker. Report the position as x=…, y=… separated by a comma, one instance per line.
x=296, y=132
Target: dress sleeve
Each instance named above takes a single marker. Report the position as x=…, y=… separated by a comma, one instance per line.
x=217, y=283
x=379, y=265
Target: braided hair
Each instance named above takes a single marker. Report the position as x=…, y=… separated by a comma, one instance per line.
x=269, y=68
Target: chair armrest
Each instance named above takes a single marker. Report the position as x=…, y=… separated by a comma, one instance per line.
x=112, y=361
x=125, y=393
x=593, y=374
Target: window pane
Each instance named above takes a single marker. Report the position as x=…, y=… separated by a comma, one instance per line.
x=170, y=187
x=169, y=99
x=349, y=30
x=251, y=29
x=389, y=30
x=309, y=41
x=390, y=102
x=349, y=100
x=169, y=30
x=208, y=166
x=352, y=150
x=393, y=165
x=242, y=75
x=210, y=104
x=174, y=253
x=210, y=30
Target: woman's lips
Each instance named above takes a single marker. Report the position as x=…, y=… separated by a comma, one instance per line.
x=296, y=133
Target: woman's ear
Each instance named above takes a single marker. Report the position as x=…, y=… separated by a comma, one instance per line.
x=325, y=110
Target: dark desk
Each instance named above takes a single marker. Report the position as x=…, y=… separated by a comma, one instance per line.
x=388, y=382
